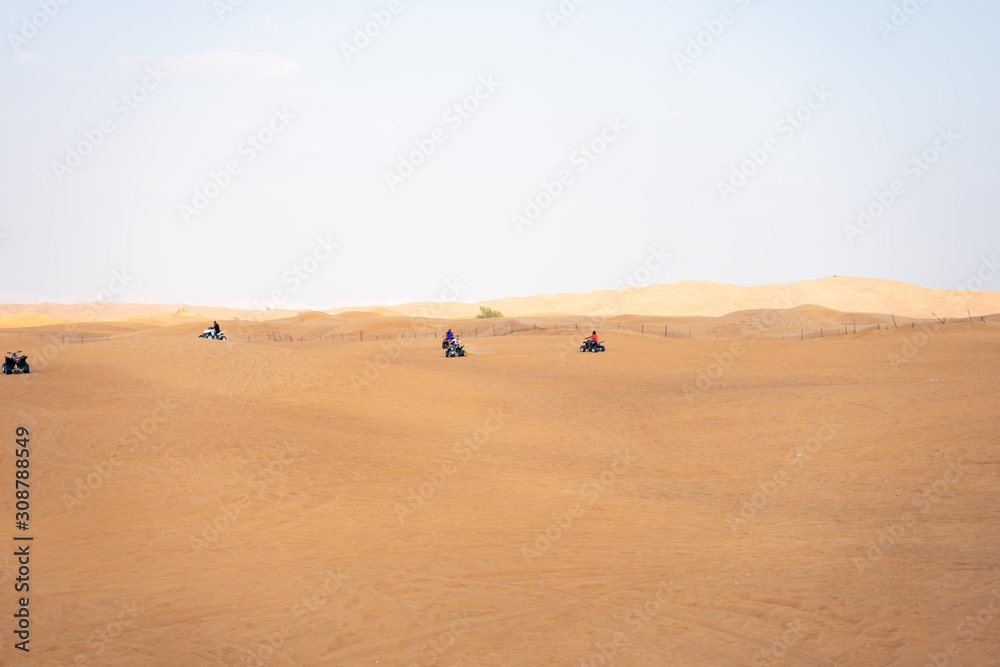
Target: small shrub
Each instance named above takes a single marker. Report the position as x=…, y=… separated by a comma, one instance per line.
x=487, y=312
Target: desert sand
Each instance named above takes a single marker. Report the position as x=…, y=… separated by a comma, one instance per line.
x=704, y=299
x=326, y=501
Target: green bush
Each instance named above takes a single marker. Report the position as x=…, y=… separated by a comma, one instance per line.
x=486, y=312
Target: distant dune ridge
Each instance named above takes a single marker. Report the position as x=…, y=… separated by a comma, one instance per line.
x=705, y=299
x=845, y=294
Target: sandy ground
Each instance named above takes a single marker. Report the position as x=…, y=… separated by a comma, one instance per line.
x=203, y=503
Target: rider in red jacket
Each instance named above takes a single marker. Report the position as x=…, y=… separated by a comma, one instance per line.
x=594, y=336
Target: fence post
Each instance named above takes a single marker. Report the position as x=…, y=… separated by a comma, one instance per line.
x=894, y=325
x=970, y=315
x=855, y=326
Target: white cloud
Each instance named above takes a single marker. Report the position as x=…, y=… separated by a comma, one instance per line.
x=231, y=65
x=305, y=25
x=72, y=75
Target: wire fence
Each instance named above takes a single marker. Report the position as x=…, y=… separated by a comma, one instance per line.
x=754, y=327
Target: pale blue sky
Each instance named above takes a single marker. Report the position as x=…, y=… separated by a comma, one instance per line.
x=323, y=175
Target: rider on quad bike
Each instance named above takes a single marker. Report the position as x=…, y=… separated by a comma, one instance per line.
x=448, y=337
x=591, y=344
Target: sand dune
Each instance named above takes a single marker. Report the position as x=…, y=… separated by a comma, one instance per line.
x=843, y=293
x=326, y=503
x=298, y=497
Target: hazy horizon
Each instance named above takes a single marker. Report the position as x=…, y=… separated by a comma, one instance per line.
x=215, y=151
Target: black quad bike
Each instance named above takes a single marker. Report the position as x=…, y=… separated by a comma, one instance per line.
x=16, y=362
x=590, y=346
x=454, y=349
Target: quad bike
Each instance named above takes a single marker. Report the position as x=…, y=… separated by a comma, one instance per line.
x=210, y=333
x=444, y=343
x=454, y=349
x=589, y=345
x=16, y=362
